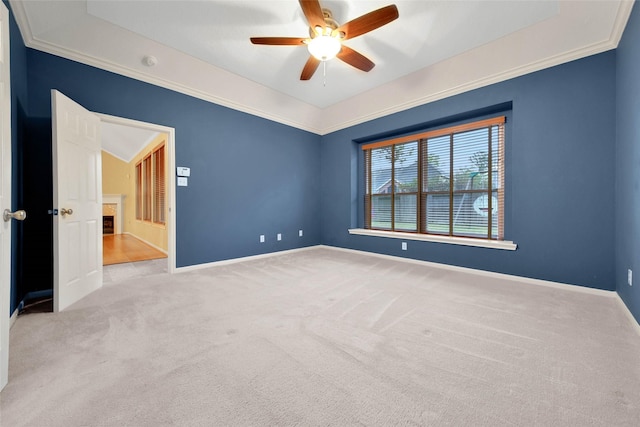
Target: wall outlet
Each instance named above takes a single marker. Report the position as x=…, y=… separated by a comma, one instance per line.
x=630, y=277
x=300, y=233
x=279, y=236
x=404, y=246
x=262, y=238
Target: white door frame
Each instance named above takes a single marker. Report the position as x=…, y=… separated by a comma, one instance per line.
x=5, y=192
x=171, y=187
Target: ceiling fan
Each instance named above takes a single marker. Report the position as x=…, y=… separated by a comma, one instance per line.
x=326, y=36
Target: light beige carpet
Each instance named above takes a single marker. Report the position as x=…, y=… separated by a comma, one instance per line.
x=324, y=337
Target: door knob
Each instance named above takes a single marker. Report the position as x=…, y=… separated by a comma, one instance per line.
x=17, y=215
x=64, y=212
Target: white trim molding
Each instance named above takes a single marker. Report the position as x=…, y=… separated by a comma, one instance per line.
x=522, y=279
x=241, y=259
x=464, y=241
x=467, y=71
x=171, y=183
x=146, y=242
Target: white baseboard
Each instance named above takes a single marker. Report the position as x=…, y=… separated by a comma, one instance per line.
x=538, y=282
x=521, y=279
x=241, y=259
x=146, y=242
x=493, y=274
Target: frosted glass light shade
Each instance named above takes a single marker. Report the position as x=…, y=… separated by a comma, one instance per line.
x=324, y=48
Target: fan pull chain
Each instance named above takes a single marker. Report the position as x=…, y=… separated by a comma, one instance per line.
x=324, y=73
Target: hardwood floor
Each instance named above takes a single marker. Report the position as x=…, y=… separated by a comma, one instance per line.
x=120, y=248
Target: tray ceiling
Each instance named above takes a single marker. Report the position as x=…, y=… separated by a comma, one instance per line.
x=433, y=50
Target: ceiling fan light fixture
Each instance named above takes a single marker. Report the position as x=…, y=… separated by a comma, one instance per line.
x=324, y=47
x=326, y=36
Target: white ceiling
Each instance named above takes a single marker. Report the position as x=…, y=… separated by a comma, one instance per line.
x=433, y=50
x=125, y=142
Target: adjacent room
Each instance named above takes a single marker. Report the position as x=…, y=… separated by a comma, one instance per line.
x=134, y=201
x=320, y=213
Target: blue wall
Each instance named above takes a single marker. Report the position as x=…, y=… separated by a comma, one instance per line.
x=559, y=175
x=18, y=63
x=627, y=189
x=249, y=176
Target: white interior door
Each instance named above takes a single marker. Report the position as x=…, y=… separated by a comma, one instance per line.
x=77, y=195
x=5, y=195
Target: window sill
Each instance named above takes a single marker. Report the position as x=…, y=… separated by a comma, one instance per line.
x=493, y=244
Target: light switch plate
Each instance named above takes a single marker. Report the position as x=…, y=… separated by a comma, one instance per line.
x=182, y=171
x=183, y=181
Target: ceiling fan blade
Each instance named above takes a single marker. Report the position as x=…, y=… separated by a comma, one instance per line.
x=278, y=41
x=355, y=59
x=313, y=12
x=368, y=22
x=309, y=68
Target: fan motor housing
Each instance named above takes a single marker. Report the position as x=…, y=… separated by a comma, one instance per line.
x=328, y=19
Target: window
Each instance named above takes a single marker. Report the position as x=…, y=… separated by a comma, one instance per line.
x=446, y=182
x=146, y=189
x=139, y=191
x=158, y=186
x=150, y=187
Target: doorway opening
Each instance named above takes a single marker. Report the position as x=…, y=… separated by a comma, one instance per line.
x=73, y=203
x=138, y=198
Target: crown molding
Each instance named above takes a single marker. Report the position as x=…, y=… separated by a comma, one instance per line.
x=624, y=12
x=332, y=118
x=36, y=43
x=471, y=85
x=339, y=122
x=168, y=84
